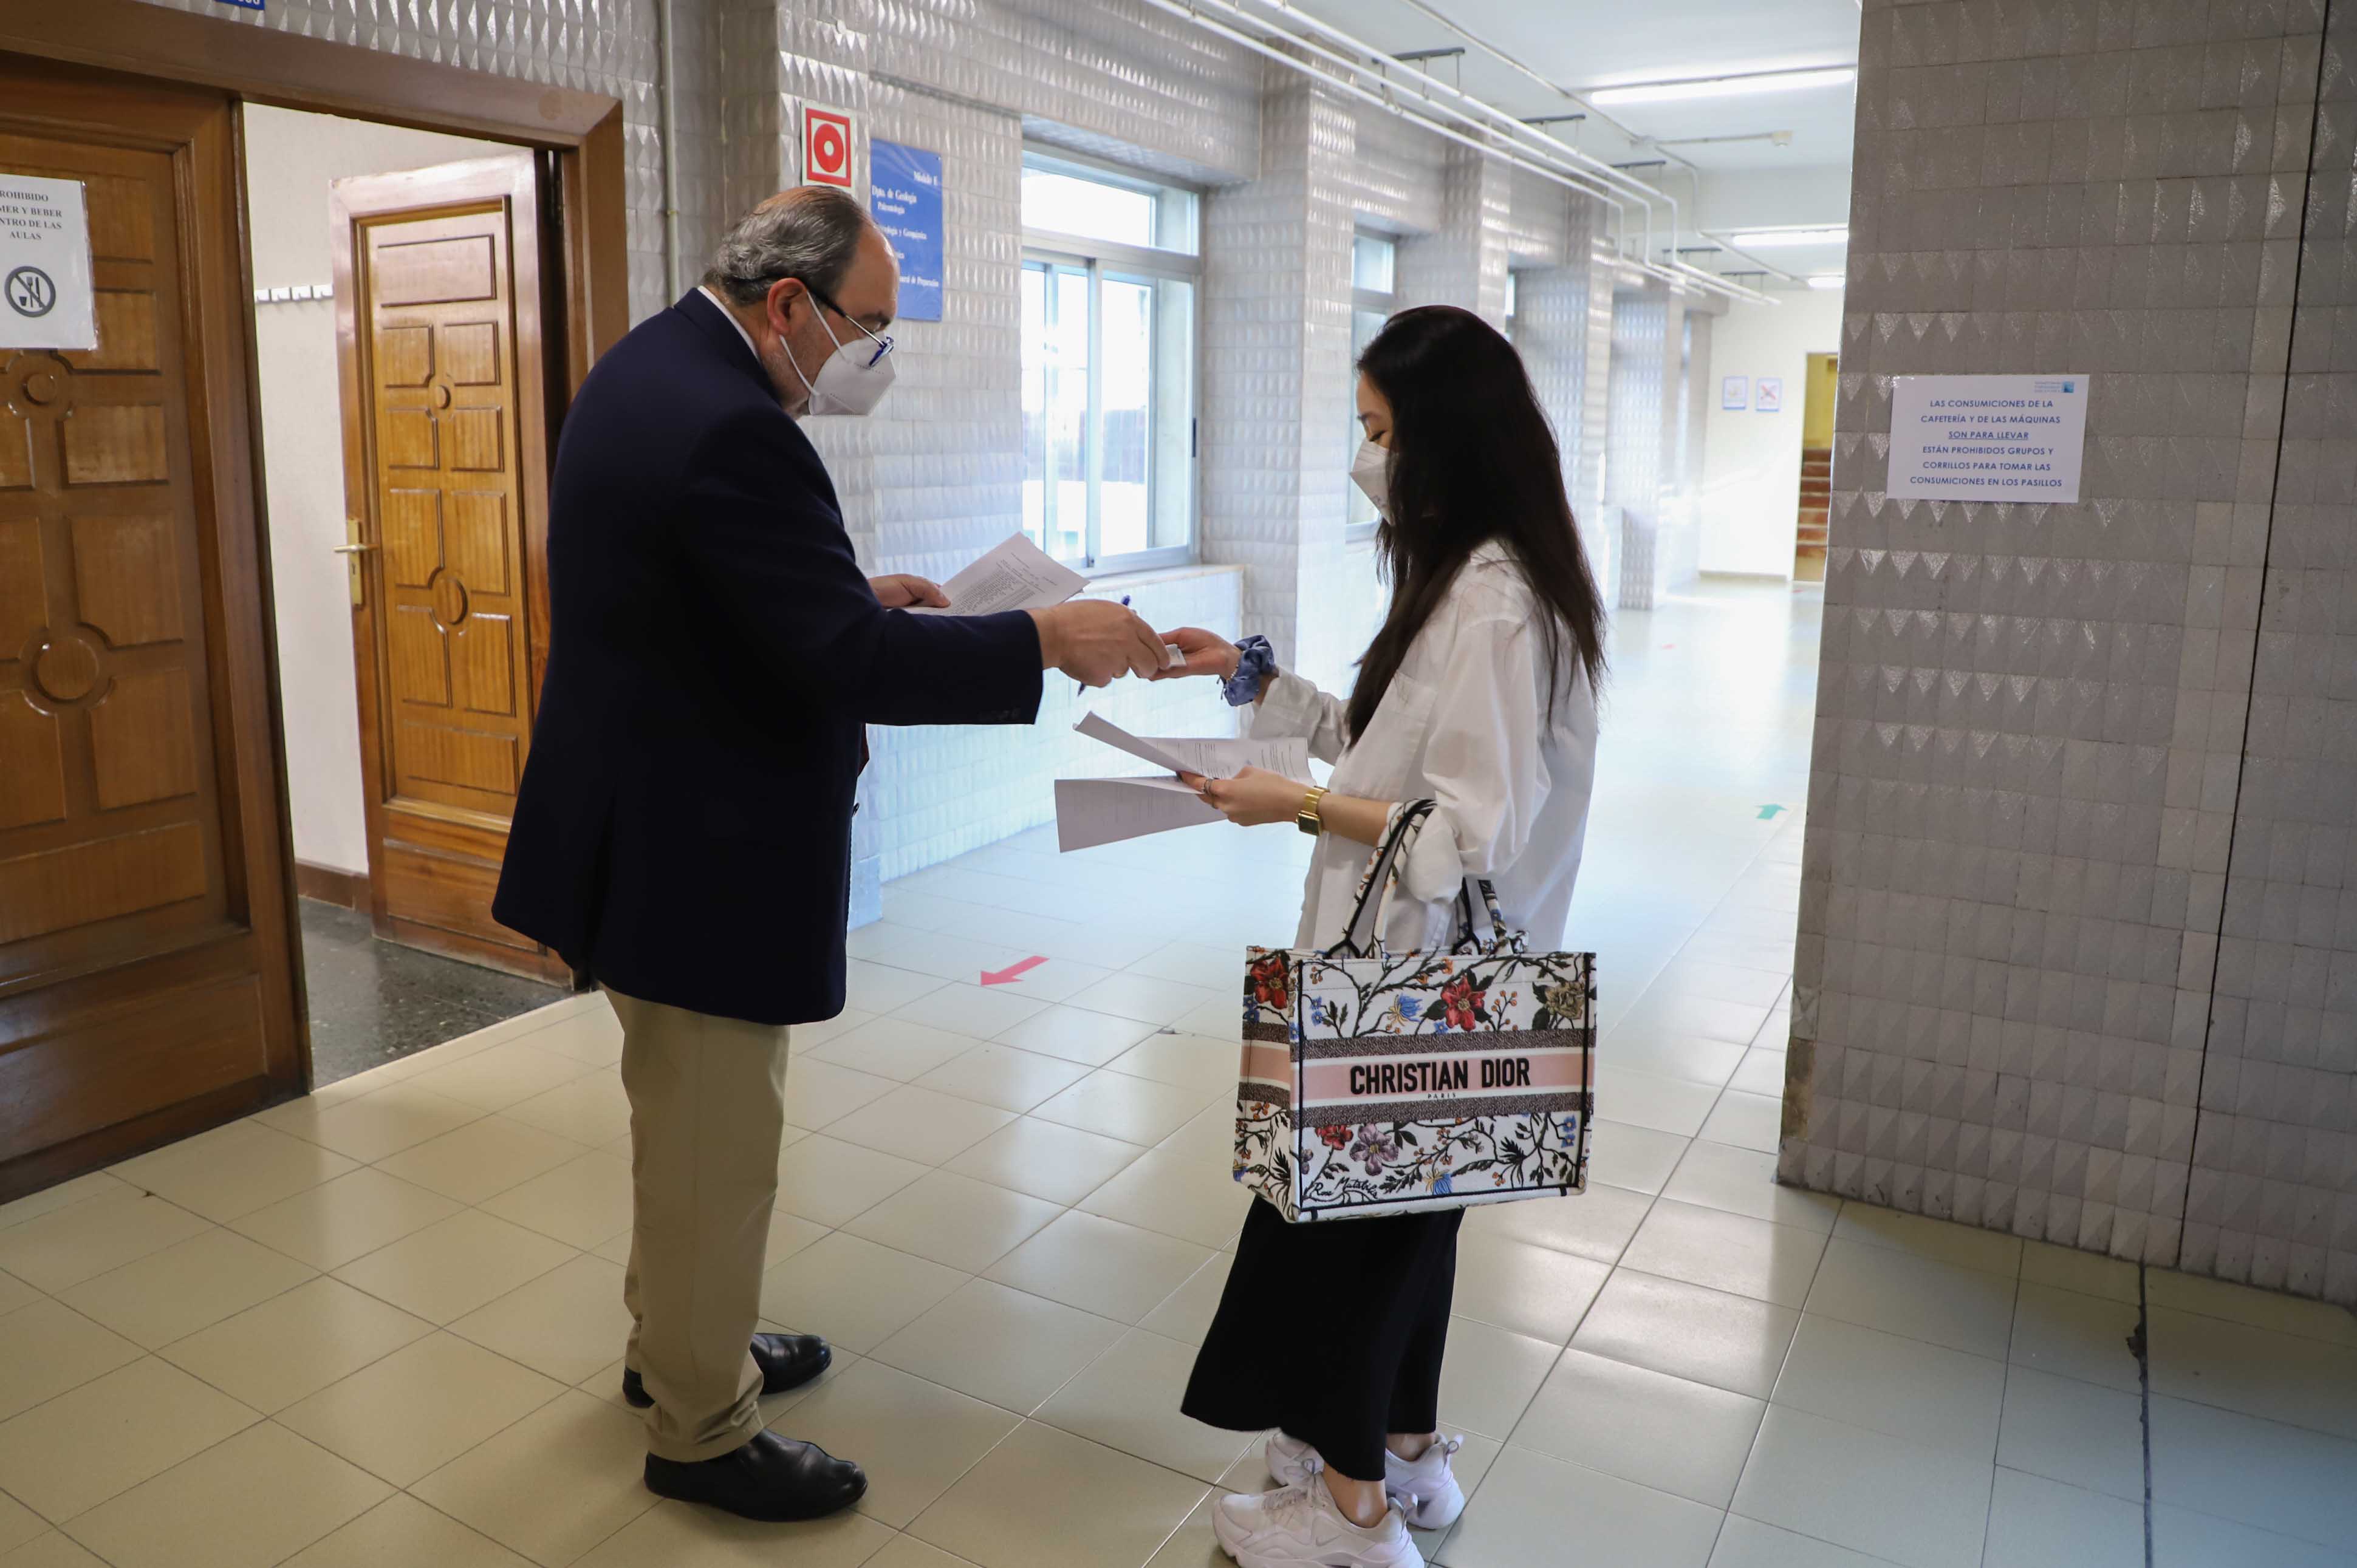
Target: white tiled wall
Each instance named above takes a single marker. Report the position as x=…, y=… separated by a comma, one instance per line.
x=2077, y=958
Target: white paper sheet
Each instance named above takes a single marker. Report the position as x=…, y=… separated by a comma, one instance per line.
x=1105, y=811
x=1013, y=575
x=1211, y=758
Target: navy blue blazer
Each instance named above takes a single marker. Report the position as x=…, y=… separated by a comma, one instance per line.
x=684, y=828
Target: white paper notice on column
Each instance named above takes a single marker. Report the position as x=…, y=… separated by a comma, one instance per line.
x=1986, y=439
x=44, y=277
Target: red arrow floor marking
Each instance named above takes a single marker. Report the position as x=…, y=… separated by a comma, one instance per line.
x=1013, y=972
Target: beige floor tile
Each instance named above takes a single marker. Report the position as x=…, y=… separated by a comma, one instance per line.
x=18, y=1524
x=999, y=1345
x=2082, y=1337
x=1532, y=1290
x=1940, y=1241
x=67, y=1246
x=1743, y=1181
x=1186, y=1313
x=913, y=1437
x=1217, y=1020
x=898, y=1046
x=402, y=1532
x=455, y=1265
x=809, y=1037
x=1637, y=1159
x=789, y=1234
x=2076, y=1433
x=2084, y=1273
x=1044, y=1498
x=1902, y=1293
x=1748, y=1543
x=879, y=988
x=1128, y=1399
x=15, y=1293
x=1046, y=1159
x=567, y=1324
x=294, y=1344
x=64, y=1195
x=1076, y=1034
x=954, y=1220
x=1680, y=1056
x=1595, y=1224
x=919, y=1124
x=1726, y=1251
x=188, y=1286
x=1489, y=1375
x=336, y=1221
x=1761, y=1073
x=495, y=1079
x=1144, y=998
x=111, y=1434
x=2238, y=1304
x=1654, y=1100
x=831, y=1182
x=1937, y=1399
x=1730, y=1342
x=592, y=1109
x=1208, y=1136
x=2037, y=1524
x=235, y=1177
x=581, y=1203
x=397, y=1117
x=1685, y=1438
x=820, y=1093
x=2258, y=1371
x=53, y=1549
x=554, y=1485
x=1193, y=1545
x=1101, y=1265
x=1210, y=965
x=591, y=1034
x=1003, y=1075
x=2272, y=1477
x=2183, y=1538
x=1178, y=1192
x=256, y=1498
x=675, y=1535
x=1134, y=1110
x=854, y=1292
x=907, y=1552
x=1866, y=1490
x=1206, y=1067
x=421, y=1407
x=1746, y=1120
x=481, y=1159
x=46, y=1347
x=1519, y=1517
x=1669, y=1013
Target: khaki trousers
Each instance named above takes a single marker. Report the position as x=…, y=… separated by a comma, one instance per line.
x=707, y=1110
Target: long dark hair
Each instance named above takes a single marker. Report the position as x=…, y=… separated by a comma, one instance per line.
x=1473, y=459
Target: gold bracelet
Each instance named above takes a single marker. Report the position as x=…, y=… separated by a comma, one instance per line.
x=1306, y=818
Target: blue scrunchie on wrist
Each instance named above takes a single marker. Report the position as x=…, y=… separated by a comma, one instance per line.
x=1259, y=662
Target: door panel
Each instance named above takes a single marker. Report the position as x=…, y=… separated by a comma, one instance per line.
x=446, y=459
x=146, y=966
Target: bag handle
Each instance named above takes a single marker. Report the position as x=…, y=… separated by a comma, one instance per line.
x=1360, y=939
x=1466, y=941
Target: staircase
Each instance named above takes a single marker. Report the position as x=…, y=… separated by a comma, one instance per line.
x=1816, y=497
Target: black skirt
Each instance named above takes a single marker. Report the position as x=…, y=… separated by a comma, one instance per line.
x=1332, y=1331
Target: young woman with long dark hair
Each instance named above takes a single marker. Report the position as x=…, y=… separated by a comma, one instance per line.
x=1478, y=694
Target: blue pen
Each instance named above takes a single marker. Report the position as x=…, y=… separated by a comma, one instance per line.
x=1082, y=688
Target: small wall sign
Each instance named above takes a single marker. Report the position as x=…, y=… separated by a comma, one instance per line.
x=1770, y=398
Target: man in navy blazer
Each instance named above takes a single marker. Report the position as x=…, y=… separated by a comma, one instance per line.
x=682, y=832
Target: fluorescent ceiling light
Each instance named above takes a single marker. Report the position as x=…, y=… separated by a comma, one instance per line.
x=1768, y=239
x=1829, y=280
x=1725, y=86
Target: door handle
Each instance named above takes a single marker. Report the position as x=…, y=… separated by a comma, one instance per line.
x=352, y=550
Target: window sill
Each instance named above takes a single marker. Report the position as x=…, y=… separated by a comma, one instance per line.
x=1118, y=583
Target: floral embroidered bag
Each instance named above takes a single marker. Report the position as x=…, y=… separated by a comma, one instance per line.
x=1376, y=1082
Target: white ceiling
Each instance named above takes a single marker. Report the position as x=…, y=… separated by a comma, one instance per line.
x=1585, y=44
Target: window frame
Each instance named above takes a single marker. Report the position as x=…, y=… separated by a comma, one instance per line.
x=1101, y=261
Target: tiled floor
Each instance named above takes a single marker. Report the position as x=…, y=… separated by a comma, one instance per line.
x=372, y=1002
x=379, y=1325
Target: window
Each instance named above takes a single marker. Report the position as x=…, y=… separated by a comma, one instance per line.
x=1374, y=260
x=1109, y=279
x=1510, y=292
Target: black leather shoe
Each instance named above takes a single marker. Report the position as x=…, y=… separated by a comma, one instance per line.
x=771, y=1478
x=787, y=1362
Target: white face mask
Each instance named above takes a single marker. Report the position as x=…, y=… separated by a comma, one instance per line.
x=854, y=377
x=1370, y=470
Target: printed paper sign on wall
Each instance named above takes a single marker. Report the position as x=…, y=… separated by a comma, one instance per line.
x=1734, y=393
x=1769, y=398
x=1987, y=439
x=904, y=192
x=827, y=147
x=45, y=278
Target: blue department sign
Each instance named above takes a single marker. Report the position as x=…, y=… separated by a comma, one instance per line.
x=45, y=275
x=1987, y=439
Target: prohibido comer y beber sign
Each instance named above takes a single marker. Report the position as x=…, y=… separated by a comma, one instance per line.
x=45, y=277
x=1986, y=439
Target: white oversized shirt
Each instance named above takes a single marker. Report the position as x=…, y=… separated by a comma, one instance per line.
x=1465, y=723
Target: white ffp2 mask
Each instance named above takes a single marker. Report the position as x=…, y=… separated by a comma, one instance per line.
x=855, y=376
x=1370, y=470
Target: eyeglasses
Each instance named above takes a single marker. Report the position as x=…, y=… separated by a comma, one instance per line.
x=882, y=345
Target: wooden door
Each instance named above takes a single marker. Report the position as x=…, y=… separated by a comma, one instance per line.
x=446, y=463
x=147, y=977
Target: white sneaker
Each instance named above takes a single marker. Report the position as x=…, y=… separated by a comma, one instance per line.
x=1302, y=1527
x=1424, y=1488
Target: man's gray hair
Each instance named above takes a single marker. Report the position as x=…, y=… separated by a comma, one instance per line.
x=809, y=232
